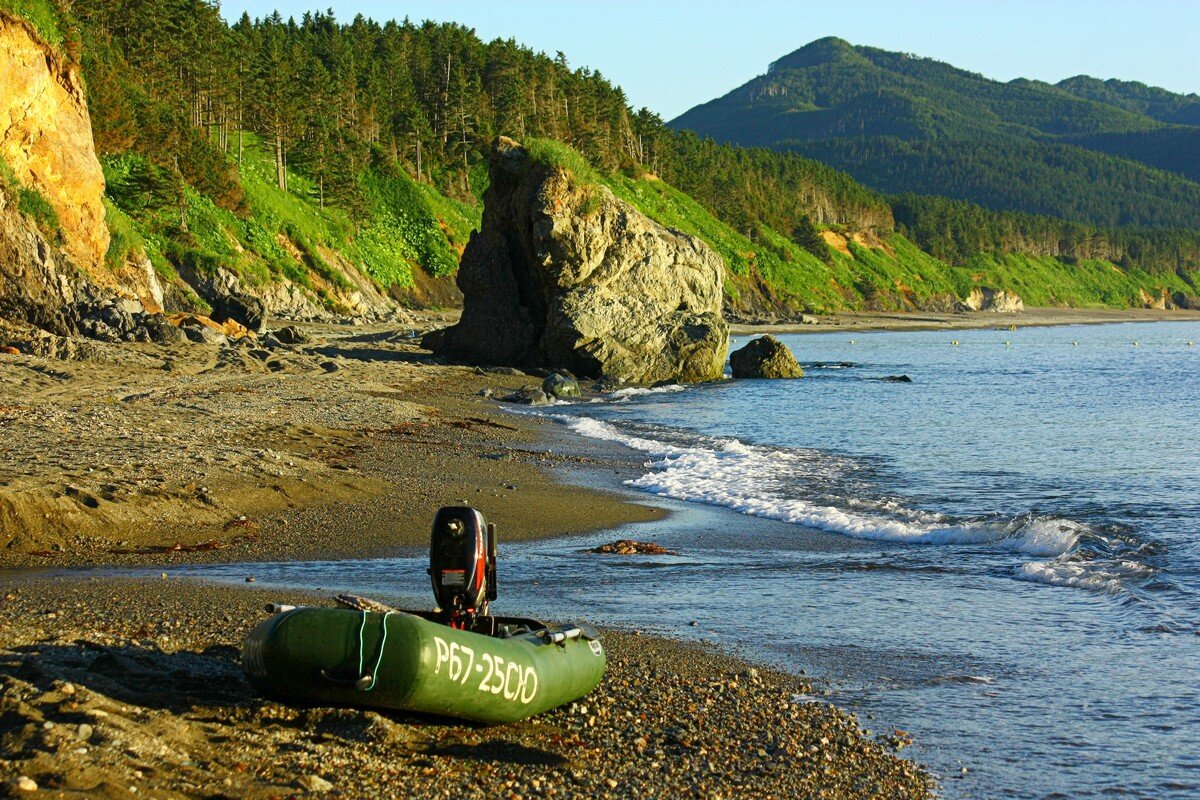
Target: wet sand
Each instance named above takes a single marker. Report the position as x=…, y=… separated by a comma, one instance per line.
x=343, y=447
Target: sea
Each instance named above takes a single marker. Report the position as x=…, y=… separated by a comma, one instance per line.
x=988, y=539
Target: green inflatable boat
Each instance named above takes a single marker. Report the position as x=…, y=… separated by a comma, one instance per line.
x=457, y=661
x=400, y=660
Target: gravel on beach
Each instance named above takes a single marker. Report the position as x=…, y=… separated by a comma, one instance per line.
x=132, y=688
x=341, y=448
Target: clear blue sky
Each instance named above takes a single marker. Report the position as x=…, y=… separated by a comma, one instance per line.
x=672, y=55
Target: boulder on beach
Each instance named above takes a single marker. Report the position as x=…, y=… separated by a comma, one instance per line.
x=764, y=357
x=529, y=396
x=558, y=385
x=290, y=334
x=1186, y=300
x=229, y=328
x=244, y=309
x=564, y=275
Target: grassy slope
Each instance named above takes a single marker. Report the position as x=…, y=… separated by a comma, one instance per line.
x=407, y=225
x=885, y=278
x=41, y=14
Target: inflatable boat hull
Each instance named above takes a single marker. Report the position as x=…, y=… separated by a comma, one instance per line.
x=335, y=656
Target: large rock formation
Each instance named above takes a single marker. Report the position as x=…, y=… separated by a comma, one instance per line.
x=565, y=275
x=46, y=141
x=764, y=357
x=48, y=278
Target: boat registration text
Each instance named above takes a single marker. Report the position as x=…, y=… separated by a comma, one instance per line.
x=494, y=674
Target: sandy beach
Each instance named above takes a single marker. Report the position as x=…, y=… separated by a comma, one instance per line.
x=344, y=446
x=340, y=447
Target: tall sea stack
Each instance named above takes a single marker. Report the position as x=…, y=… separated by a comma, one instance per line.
x=563, y=274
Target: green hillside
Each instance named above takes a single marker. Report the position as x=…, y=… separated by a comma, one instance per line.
x=403, y=227
x=893, y=273
x=1085, y=150
x=271, y=148
x=1054, y=179
x=42, y=15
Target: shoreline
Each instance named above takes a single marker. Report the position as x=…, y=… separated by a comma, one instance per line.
x=113, y=686
x=884, y=321
x=114, y=682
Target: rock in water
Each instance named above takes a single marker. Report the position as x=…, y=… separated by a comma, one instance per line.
x=629, y=547
x=560, y=386
x=764, y=357
x=566, y=276
x=530, y=396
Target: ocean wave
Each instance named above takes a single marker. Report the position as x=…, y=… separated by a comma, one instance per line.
x=1100, y=576
x=985, y=680
x=826, y=492
x=754, y=480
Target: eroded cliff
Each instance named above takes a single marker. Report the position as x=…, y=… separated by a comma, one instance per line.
x=46, y=142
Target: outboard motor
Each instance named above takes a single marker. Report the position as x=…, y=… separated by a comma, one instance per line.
x=462, y=564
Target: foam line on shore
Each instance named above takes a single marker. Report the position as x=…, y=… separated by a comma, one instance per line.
x=740, y=476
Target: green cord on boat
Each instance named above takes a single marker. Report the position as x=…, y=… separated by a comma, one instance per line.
x=362, y=647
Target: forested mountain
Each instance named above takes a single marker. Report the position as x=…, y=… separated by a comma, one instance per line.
x=956, y=230
x=331, y=98
x=1159, y=104
x=1106, y=153
x=311, y=149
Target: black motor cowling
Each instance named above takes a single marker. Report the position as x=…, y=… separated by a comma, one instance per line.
x=462, y=561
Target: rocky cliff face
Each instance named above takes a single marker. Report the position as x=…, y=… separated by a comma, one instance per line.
x=46, y=141
x=565, y=275
x=35, y=286
x=53, y=273
x=997, y=300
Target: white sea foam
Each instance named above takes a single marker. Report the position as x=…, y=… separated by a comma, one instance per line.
x=807, y=699
x=1102, y=576
x=638, y=391
x=1065, y=573
x=748, y=479
x=986, y=680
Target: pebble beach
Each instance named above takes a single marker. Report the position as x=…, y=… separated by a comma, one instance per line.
x=116, y=688
x=119, y=687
